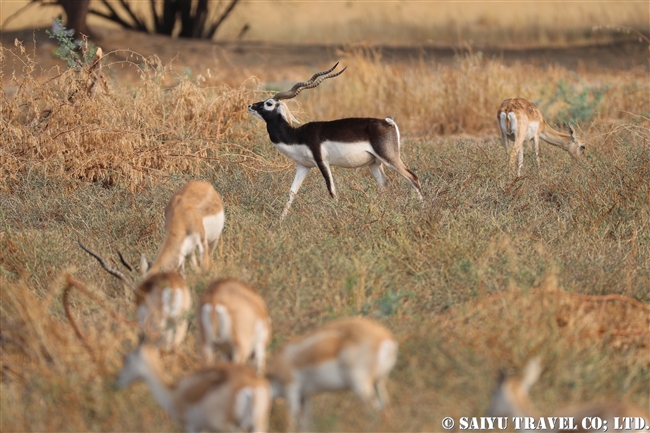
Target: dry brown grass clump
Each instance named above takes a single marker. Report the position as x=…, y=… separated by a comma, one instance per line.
x=428, y=99
x=126, y=135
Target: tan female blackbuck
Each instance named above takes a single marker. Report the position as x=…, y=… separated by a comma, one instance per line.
x=355, y=354
x=194, y=219
x=227, y=397
x=520, y=120
x=511, y=399
x=232, y=316
x=163, y=303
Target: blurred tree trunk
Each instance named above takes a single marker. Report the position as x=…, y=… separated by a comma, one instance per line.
x=76, y=12
x=195, y=18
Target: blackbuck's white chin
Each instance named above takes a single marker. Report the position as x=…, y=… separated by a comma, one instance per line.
x=254, y=113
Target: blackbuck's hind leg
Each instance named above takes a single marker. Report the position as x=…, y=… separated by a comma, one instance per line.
x=391, y=158
x=208, y=353
x=259, y=347
x=382, y=393
x=294, y=401
x=205, y=254
x=377, y=170
x=536, y=147
x=304, y=420
x=501, y=124
x=517, y=155
x=301, y=173
x=181, y=332
x=400, y=168
x=520, y=160
x=363, y=386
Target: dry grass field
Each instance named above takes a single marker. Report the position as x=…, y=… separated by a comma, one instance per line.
x=486, y=273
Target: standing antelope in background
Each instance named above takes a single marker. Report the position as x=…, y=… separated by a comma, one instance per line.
x=520, y=120
x=349, y=143
x=194, y=219
x=355, y=354
x=163, y=302
x=233, y=315
x=510, y=399
x=227, y=397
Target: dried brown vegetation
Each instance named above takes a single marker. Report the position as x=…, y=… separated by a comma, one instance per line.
x=486, y=273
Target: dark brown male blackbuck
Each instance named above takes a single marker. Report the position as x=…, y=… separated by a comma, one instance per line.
x=349, y=143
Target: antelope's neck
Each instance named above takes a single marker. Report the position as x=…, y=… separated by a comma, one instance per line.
x=281, y=132
x=554, y=137
x=169, y=255
x=161, y=390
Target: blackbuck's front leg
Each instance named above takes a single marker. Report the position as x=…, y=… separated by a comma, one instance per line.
x=325, y=169
x=301, y=173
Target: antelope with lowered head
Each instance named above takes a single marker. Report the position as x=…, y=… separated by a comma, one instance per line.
x=355, y=354
x=348, y=143
x=227, y=397
x=232, y=316
x=511, y=399
x=194, y=219
x=520, y=120
x=163, y=302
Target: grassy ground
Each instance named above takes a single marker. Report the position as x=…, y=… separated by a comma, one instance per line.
x=487, y=272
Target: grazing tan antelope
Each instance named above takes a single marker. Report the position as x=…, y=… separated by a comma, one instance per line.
x=227, y=397
x=194, y=219
x=520, y=120
x=163, y=303
x=233, y=316
x=349, y=143
x=355, y=354
x=511, y=399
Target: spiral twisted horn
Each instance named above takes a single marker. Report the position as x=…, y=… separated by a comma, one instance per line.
x=114, y=272
x=314, y=81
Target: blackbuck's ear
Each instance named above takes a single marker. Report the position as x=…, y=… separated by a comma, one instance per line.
x=501, y=376
x=532, y=371
x=571, y=131
x=285, y=113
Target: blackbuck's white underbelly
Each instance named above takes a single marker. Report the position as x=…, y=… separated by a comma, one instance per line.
x=213, y=225
x=190, y=243
x=326, y=376
x=348, y=155
x=338, y=154
x=531, y=131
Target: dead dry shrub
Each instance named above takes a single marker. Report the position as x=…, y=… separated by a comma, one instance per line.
x=592, y=347
x=566, y=321
x=126, y=136
x=67, y=383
